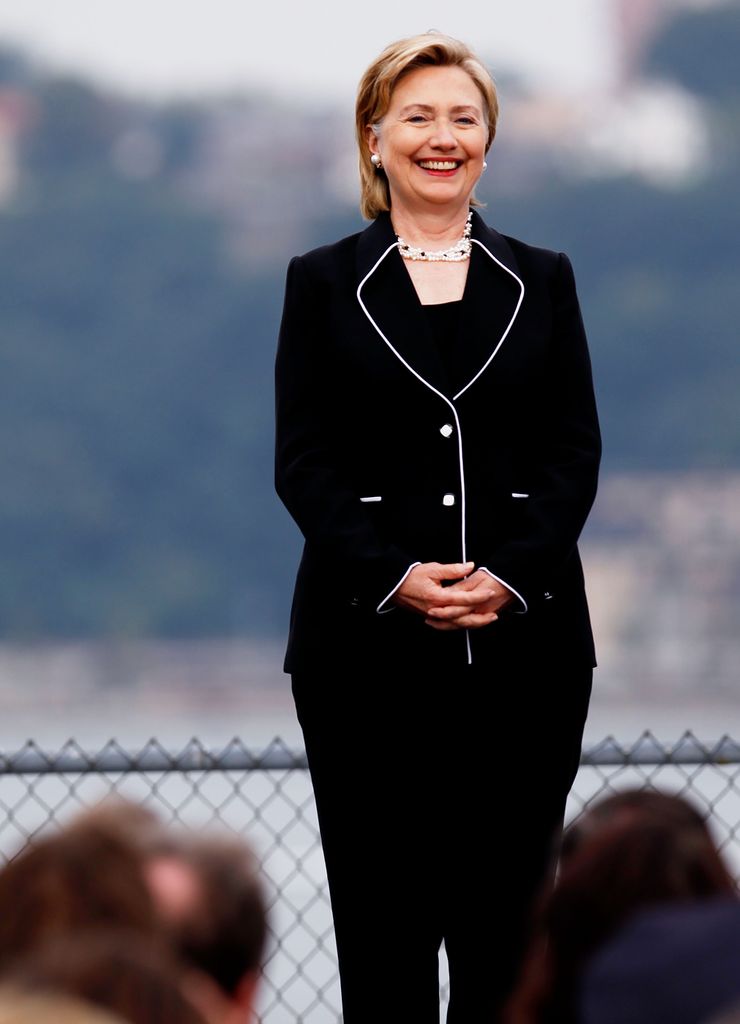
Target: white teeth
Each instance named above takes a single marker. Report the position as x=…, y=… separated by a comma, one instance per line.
x=438, y=165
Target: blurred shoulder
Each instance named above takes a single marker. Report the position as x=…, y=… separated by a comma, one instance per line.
x=327, y=261
x=536, y=258
x=531, y=262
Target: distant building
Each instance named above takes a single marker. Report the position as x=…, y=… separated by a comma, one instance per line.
x=635, y=25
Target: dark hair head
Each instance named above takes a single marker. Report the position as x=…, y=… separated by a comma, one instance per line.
x=80, y=878
x=633, y=851
x=217, y=921
x=626, y=806
x=135, y=823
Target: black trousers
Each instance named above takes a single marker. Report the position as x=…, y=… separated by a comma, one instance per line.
x=440, y=795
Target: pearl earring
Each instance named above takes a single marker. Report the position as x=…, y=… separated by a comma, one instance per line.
x=376, y=162
x=485, y=164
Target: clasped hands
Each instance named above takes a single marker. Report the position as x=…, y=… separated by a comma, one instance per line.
x=472, y=601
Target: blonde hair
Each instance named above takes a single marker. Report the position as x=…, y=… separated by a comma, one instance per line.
x=430, y=49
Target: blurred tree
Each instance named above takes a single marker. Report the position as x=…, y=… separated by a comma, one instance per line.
x=699, y=49
x=136, y=360
x=14, y=68
x=76, y=127
x=134, y=373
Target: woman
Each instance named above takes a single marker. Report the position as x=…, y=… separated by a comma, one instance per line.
x=437, y=444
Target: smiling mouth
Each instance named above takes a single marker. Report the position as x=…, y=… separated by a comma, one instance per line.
x=439, y=165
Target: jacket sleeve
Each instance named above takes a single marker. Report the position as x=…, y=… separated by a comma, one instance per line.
x=309, y=476
x=546, y=526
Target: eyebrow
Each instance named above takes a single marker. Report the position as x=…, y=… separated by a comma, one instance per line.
x=425, y=106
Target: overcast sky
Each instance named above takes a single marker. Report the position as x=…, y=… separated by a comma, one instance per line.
x=307, y=49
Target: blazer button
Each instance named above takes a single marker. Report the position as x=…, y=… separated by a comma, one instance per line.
x=448, y=500
x=447, y=430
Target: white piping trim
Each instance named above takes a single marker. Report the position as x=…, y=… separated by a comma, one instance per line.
x=439, y=394
x=384, y=611
x=375, y=497
x=503, y=337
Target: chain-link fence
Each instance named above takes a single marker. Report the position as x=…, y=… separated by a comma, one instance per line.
x=267, y=796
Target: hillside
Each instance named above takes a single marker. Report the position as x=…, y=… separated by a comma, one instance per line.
x=139, y=303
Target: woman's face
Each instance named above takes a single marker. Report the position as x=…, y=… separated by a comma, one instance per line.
x=432, y=140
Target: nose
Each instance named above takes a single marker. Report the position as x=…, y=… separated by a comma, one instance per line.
x=443, y=136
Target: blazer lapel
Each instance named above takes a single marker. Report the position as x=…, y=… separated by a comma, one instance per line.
x=493, y=296
x=388, y=298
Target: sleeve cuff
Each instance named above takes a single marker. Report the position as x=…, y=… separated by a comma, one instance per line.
x=517, y=595
x=381, y=609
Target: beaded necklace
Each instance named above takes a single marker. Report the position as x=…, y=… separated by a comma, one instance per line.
x=455, y=253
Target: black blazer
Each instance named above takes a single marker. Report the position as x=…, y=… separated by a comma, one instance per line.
x=381, y=467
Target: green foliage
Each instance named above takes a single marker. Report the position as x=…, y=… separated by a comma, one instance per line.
x=14, y=68
x=74, y=129
x=135, y=407
x=699, y=49
x=657, y=273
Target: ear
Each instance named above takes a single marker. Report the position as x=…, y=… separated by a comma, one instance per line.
x=246, y=990
x=372, y=140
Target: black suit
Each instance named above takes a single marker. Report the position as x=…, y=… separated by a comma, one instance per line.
x=382, y=466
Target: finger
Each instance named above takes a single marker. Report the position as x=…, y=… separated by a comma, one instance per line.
x=471, y=621
x=459, y=604
x=414, y=604
x=451, y=571
x=472, y=582
x=477, y=619
x=468, y=583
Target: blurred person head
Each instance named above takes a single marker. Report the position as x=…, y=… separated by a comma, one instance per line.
x=119, y=971
x=637, y=850
x=135, y=823
x=625, y=806
x=210, y=899
x=375, y=95
x=731, y=1016
x=82, y=877
x=679, y=964
x=29, y=1008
